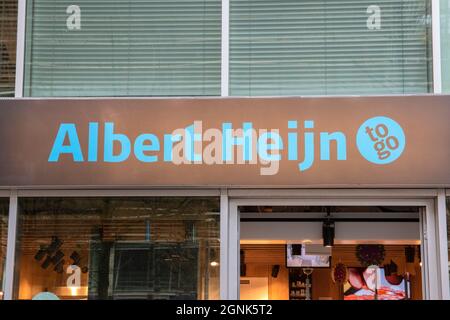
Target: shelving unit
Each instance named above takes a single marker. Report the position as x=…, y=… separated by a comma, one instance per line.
x=297, y=284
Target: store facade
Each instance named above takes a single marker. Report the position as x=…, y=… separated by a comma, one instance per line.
x=153, y=151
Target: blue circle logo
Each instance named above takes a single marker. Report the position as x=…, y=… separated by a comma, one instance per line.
x=380, y=140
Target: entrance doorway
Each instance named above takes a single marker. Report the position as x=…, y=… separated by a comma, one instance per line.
x=427, y=205
x=330, y=253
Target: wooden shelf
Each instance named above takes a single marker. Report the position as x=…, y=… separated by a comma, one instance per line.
x=297, y=284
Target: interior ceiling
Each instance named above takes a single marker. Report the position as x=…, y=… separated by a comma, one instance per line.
x=321, y=212
x=325, y=209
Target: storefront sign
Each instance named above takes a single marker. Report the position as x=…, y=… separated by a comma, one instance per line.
x=273, y=142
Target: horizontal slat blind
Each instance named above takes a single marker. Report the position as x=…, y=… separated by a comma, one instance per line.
x=313, y=47
x=8, y=27
x=124, y=48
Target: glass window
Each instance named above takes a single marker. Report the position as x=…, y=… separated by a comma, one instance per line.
x=118, y=248
x=123, y=48
x=4, y=208
x=330, y=47
x=8, y=27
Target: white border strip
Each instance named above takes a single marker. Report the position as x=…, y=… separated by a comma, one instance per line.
x=321, y=193
x=5, y=193
x=436, y=39
x=224, y=245
x=11, y=247
x=225, y=66
x=442, y=241
x=20, y=47
x=424, y=257
x=121, y=193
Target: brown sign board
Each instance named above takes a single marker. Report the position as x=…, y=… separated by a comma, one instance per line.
x=335, y=142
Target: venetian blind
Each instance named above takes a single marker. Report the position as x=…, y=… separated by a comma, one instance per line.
x=8, y=26
x=313, y=47
x=123, y=48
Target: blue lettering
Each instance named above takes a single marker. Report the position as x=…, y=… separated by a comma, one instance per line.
x=341, y=145
x=228, y=141
x=292, y=141
x=74, y=147
x=110, y=138
x=309, y=147
x=168, y=146
x=264, y=146
x=140, y=147
x=93, y=142
x=190, y=138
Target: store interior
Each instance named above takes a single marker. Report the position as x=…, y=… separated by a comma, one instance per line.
x=330, y=253
x=169, y=248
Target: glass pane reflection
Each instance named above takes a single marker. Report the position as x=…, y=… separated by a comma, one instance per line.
x=118, y=248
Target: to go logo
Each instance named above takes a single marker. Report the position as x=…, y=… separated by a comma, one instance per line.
x=380, y=140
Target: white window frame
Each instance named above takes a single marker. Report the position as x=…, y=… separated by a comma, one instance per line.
x=436, y=46
x=20, y=48
x=8, y=284
x=225, y=49
x=433, y=239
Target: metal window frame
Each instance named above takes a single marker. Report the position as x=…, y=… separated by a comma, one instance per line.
x=433, y=222
x=120, y=193
x=433, y=232
x=20, y=48
x=436, y=45
x=8, y=286
x=225, y=49
x=225, y=42
x=5, y=193
x=21, y=41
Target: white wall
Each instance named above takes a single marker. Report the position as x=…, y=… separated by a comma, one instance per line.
x=346, y=232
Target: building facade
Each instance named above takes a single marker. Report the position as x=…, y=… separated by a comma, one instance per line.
x=224, y=149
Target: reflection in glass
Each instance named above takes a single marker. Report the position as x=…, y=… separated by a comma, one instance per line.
x=122, y=48
x=8, y=27
x=118, y=248
x=290, y=47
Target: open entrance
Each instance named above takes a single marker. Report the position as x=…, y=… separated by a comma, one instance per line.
x=331, y=253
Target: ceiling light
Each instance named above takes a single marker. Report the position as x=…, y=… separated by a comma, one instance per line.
x=328, y=232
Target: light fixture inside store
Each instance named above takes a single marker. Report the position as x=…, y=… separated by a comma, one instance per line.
x=214, y=264
x=328, y=231
x=74, y=291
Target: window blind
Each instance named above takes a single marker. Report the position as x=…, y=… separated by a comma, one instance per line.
x=123, y=48
x=8, y=26
x=333, y=47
